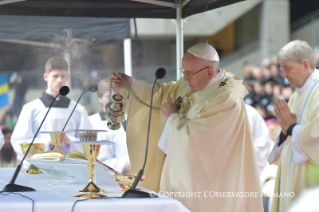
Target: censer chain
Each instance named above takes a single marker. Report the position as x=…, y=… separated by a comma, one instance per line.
x=124, y=77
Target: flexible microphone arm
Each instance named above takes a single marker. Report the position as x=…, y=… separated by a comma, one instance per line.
x=92, y=89
x=11, y=187
x=147, y=141
x=132, y=193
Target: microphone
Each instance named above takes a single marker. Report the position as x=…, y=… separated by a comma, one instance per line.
x=11, y=187
x=93, y=88
x=160, y=73
x=132, y=193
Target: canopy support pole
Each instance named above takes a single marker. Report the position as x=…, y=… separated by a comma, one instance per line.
x=179, y=41
x=127, y=57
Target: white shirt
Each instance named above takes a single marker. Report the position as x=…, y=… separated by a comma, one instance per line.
x=260, y=134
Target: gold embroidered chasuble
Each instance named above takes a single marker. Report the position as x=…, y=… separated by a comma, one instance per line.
x=211, y=148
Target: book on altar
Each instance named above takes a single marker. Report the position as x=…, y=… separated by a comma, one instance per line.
x=57, y=155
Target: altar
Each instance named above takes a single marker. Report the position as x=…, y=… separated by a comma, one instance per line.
x=51, y=195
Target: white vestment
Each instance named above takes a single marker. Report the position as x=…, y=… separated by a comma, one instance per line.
x=32, y=115
x=260, y=135
x=297, y=157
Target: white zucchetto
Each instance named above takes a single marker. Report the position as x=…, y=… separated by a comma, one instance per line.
x=204, y=51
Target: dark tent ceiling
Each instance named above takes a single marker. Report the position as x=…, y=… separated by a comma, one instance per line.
x=109, y=8
x=48, y=27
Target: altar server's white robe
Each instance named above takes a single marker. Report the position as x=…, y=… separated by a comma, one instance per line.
x=115, y=156
x=298, y=156
x=211, y=148
x=32, y=115
x=260, y=135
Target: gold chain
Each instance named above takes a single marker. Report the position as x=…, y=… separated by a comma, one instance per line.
x=125, y=79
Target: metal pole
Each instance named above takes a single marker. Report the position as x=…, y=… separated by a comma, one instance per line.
x=179, y=41
x=128, y=57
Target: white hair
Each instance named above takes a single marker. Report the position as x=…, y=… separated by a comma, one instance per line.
x=297, y=51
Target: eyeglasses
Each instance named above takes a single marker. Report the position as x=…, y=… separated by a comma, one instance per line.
x=190, y=75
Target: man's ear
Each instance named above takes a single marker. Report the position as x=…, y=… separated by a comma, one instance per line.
x=45, y=77
x=306, y=64
x=67, y=77
x=210, y=73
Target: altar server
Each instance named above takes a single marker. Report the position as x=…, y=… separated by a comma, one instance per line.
x=32, y=114
x=296, y=150
x=115, y=156
x=207, y=141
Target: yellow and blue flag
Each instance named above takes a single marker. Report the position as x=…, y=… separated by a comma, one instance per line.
x=4, y=89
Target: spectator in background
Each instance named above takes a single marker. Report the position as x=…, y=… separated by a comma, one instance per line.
x=259, y=94
x=1, y=139
x=287, y=93
x=249, y=98
x=8, y=157
x=269, y=96
x=247, y=73
x=272, y=124
x=257, y=74
x=274, y=60
x=266, y=63
x=277, y=90
x=266, y=75
x=261, y=109
x=7, y=118
x=275, y=75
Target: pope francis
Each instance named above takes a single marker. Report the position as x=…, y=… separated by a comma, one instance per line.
x=200, y=153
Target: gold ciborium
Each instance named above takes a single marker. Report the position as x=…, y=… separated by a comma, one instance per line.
x=91, y=148
x=126, y=180
x=35, y=148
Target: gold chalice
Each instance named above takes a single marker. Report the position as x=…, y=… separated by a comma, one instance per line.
x=91, y=149
x=126, y=180
x=57, y=138
x=34, y=149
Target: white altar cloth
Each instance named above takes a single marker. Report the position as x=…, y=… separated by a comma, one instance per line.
x=55, y=197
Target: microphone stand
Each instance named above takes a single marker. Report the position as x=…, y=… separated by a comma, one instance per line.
x=12, y=187
x=132, y=193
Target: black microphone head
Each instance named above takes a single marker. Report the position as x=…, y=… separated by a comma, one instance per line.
x=94, y=88
x=160, y=73
x=64, y=90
